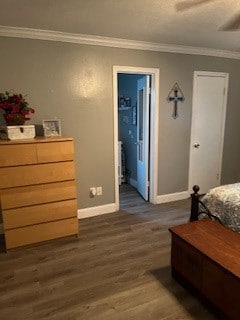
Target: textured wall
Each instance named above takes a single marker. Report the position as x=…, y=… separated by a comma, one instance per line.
x=74, y=83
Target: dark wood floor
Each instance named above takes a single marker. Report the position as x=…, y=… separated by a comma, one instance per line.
x=119, y=268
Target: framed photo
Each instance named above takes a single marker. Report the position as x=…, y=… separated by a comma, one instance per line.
x=52, y=128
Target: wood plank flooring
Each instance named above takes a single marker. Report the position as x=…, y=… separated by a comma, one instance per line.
x=118, y=269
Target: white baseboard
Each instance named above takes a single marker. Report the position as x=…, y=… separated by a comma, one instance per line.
x=133, y=183
x=172, y=197
x=96, y=211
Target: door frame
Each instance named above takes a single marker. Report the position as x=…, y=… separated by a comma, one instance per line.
x=210, y=74
x=154, y=122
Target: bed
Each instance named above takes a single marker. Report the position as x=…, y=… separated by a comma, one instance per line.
x=221, y=204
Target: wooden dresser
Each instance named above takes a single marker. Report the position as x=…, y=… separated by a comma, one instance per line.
x=206, y=255
x=37, y=190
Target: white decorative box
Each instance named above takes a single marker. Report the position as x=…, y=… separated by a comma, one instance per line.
x=17, y=132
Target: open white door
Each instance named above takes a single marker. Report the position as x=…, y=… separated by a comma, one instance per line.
x=143, y=103
x=208, y=123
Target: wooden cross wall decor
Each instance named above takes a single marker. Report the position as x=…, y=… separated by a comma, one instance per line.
x=175, y=95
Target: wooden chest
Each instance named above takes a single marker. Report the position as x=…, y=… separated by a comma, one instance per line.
x=207, y=256
x=37, y=190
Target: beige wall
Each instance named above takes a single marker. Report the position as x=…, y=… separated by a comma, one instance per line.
x=74, y=83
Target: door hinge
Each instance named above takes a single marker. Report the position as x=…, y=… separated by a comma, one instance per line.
x=224, y=91
x=148, y=183
x=217, y=176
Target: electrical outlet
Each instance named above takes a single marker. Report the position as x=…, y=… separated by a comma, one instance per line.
x=93, y=191
x=99, y=191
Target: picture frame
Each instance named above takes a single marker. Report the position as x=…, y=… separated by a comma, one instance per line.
x=52, y=127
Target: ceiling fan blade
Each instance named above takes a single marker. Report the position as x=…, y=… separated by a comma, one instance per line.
x=188, y=4
x=233, y=24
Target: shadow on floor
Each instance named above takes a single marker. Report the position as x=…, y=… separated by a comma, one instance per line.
x=193, y=303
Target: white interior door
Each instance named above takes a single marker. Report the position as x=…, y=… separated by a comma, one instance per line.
x=208, y=123
x=143, y=102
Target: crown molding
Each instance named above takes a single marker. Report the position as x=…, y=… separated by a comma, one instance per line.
x=27, y=33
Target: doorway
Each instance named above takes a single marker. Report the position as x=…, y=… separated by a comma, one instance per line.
x=132, y=117
x=207, y=133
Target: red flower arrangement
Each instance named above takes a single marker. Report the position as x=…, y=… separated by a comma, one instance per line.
x=15, y=104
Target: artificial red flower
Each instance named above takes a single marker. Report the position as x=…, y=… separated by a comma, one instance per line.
x=13, y=103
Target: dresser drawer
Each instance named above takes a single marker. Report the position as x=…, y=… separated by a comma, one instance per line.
x=40, y=232
x=17, y=155
x=40, y=194
x=36, y=174
x=19, y=217
x=55, y=151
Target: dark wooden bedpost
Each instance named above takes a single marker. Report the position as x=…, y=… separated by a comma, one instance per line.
x=195, y=203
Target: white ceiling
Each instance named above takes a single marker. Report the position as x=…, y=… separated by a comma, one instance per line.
x=145, y=20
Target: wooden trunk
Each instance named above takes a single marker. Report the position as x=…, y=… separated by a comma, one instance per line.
x=206, y=255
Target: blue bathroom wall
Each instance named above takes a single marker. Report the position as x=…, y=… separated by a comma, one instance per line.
x=127, y=93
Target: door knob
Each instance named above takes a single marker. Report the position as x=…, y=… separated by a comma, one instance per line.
x=196, y=145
